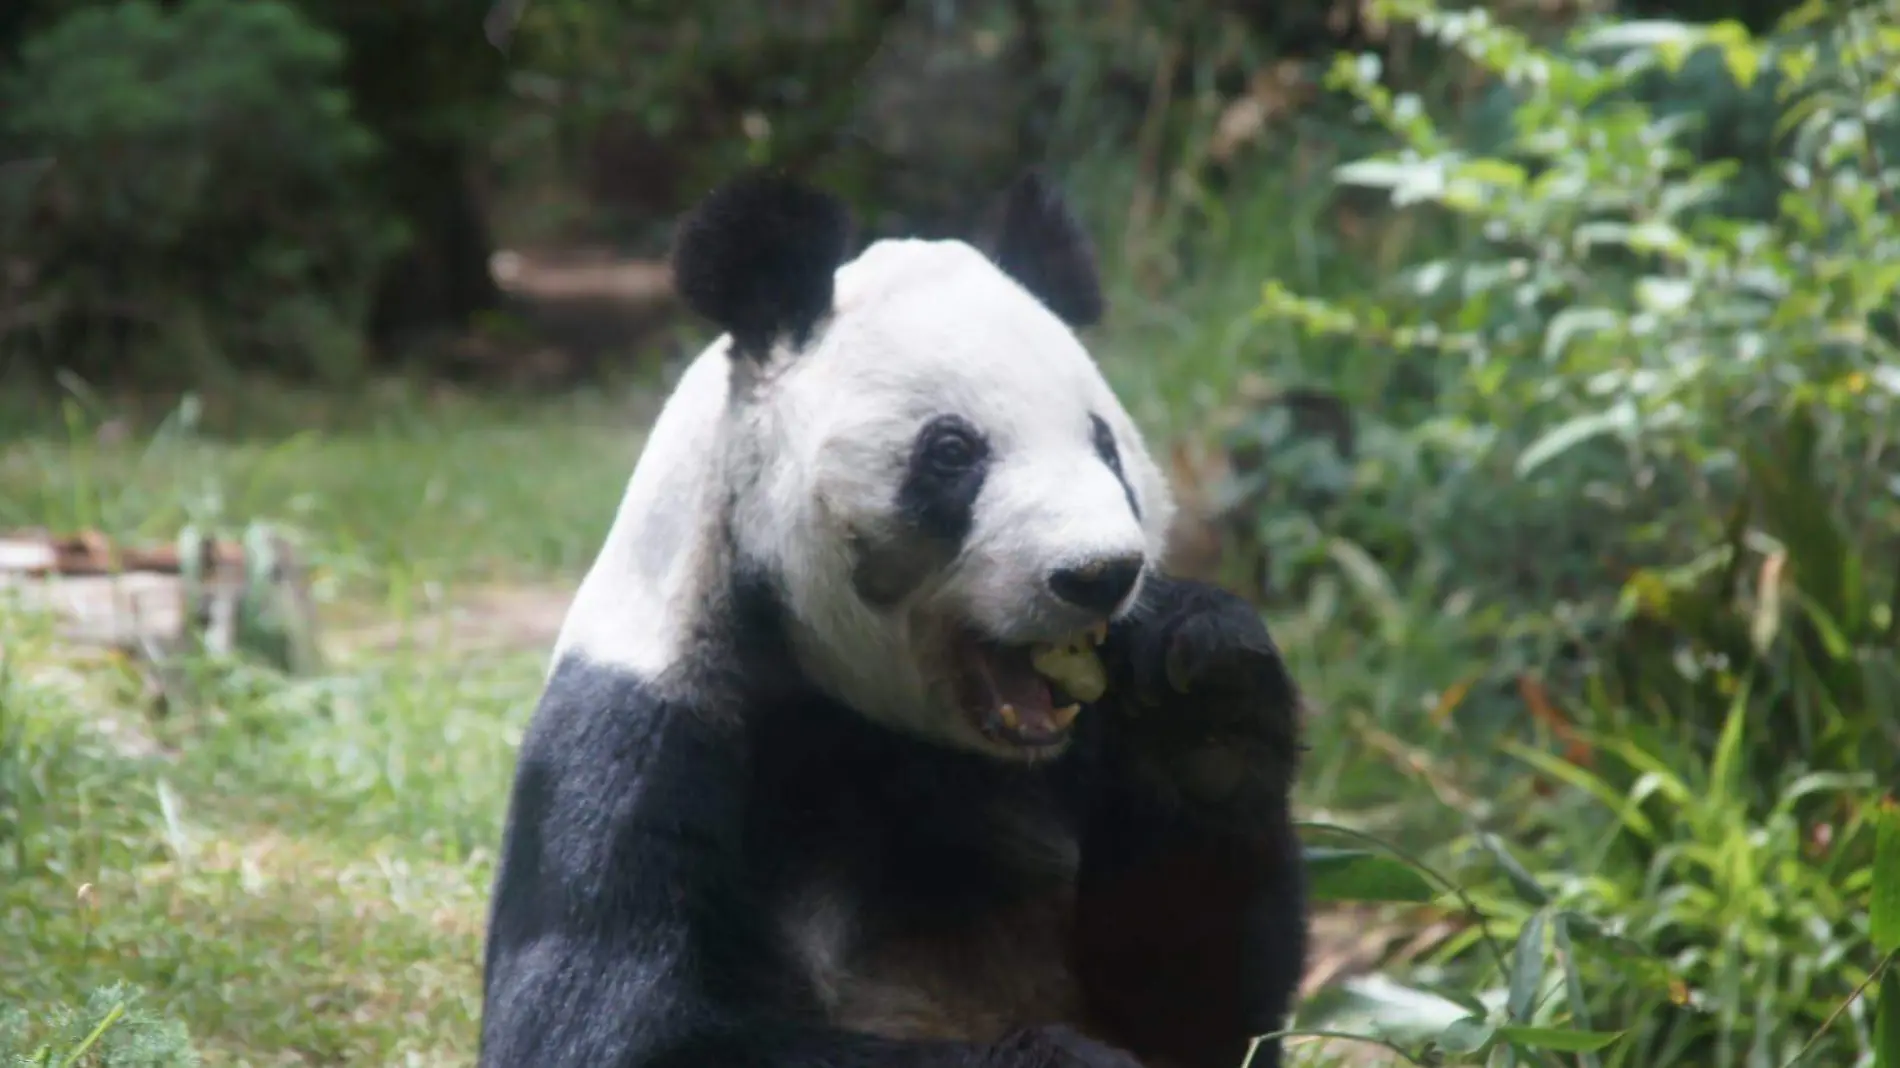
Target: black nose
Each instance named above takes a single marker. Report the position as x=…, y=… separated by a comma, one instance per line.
x=1098, y=585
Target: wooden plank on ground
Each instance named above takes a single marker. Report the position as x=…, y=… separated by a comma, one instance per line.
x=157, y=601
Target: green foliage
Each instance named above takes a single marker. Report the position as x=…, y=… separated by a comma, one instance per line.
x=202, y=207
x=1359, y=875
x=1887, y=1048
x=1884, y=914
x=1427, y=1027
x=1602, y=345
x=1734, y=940
x=1790, y=601
x=760, y=82
x=1631, y=435
x=1885, y=920
x=1572, y=381
x=110, y=1030
x=1738, y=933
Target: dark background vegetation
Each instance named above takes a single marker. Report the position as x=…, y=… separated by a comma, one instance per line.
x=1532, y=364
x=316, y=188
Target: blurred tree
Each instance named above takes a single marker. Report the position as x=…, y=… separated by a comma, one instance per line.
x=423, y=79
x=427, y=83
x=203, y=206
x=917, y=110
x=650, y=101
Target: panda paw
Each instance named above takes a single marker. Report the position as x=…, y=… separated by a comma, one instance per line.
x=1057, y=1046
x=1200, y=694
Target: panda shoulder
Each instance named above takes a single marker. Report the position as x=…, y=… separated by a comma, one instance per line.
x=604, y=734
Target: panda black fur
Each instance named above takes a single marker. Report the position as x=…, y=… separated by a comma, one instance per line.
x=769, y=813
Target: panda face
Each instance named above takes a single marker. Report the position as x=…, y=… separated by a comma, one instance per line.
x=938, y=482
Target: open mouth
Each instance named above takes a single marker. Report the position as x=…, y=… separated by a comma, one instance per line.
x=1029, y=695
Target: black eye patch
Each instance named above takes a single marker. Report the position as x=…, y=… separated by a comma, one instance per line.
x=948, y=461
x=1104, y=439
x=936, y=505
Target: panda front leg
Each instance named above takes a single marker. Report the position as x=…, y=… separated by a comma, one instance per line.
x=1191, y=911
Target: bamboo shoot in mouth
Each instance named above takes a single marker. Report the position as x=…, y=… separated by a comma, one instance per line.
x=1073, y=665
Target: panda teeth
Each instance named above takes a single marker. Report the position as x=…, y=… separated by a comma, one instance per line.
x=1064, y=716
x=1098, y=633
x=1010, y=719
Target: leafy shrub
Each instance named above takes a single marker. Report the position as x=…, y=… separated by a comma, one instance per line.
x=1637, y=440
x=1603, y=352
x=203, y=202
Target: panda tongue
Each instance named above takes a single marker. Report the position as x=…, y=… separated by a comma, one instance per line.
x=1013, y=681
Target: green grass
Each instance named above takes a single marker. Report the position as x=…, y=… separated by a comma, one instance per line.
x=295, y=886
x=301, y=872
x=394, y=491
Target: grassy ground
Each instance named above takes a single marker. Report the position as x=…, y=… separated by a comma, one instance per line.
x=298, y=868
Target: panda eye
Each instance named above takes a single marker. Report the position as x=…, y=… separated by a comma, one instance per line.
x=951, y=448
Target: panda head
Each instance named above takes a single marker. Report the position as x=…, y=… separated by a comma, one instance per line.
x=920, y=457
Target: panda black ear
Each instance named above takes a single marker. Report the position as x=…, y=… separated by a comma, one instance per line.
x=1044, y=248
x=757, y=256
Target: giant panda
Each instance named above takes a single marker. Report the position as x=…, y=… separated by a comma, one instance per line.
x=800, y=791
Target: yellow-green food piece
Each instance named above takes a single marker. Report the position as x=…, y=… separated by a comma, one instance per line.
x=1073, y=666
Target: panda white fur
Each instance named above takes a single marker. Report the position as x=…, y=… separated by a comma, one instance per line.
x=794, y=796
